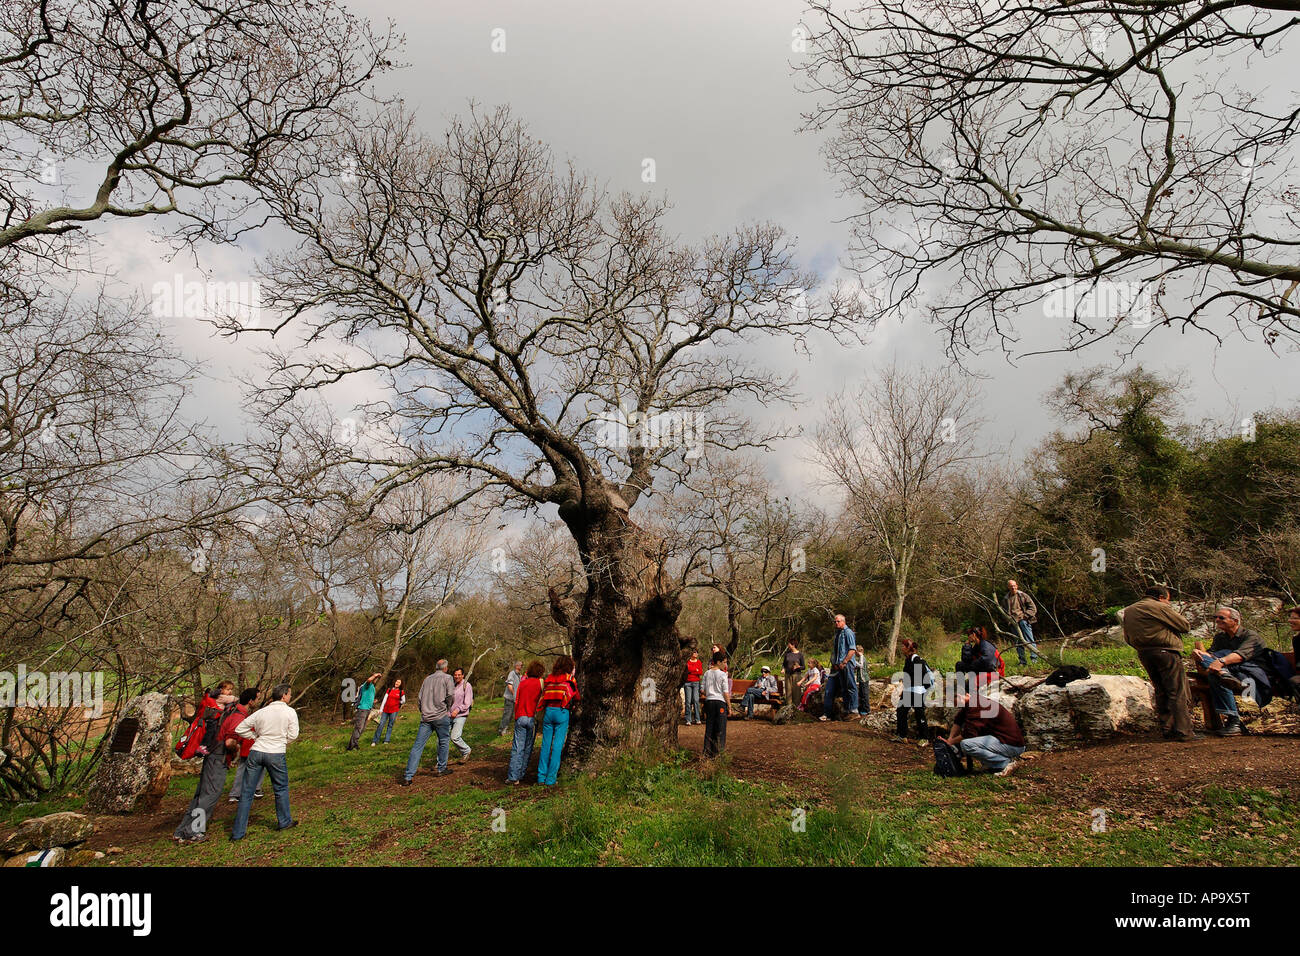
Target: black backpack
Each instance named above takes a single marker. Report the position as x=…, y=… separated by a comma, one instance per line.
x=1066, y=673
x=947, y=761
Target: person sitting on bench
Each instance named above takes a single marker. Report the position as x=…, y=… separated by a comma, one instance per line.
x=811, y=681
x=1221, y=666
x=987, y=731
x=761, y=689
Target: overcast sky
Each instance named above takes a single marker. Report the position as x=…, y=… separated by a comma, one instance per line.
x=707, y=91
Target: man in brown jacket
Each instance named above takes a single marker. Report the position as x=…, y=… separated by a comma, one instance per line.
x=1154, y=629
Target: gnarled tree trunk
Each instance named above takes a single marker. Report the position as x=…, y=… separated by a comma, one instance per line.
x=624, y=637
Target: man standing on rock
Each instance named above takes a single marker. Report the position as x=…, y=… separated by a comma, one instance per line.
x=1154, y=629
x=437, y=696
x=1024, y=612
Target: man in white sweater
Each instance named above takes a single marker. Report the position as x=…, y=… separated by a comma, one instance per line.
x=271, y=728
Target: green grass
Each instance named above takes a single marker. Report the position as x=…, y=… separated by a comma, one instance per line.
x=868, y=806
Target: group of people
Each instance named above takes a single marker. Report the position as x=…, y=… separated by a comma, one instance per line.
x=445, y=703
x=1237, y=661
x=257, y=741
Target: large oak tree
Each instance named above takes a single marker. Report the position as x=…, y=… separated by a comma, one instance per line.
x=551, y=344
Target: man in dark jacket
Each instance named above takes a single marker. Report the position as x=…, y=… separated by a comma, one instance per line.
x=1232, y=656
x=1154, y=629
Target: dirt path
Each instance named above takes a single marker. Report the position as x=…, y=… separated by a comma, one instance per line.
x=1141, y=775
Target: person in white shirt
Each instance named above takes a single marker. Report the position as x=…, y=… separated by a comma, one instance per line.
x=272, y=729
x=716, y=688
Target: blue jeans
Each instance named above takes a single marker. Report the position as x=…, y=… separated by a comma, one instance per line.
x=278, y=767
x=990, y=751
x=521, y=748
x=1026, y=637
x=1225, y=701
x=427, y=728
x=751, y=698
x=555, y=728
x=845, y=683
x=385, y=720
x=692, y=690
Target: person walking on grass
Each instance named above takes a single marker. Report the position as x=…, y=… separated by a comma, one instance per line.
x=272, y=728
x=558, y=692
x=508, y=700
x=1024, y=612
x=237, y=747
x=527, y=697
x=691, y=687
x=437, y=694
x=365, y=703
x=462, y=701
x=1154, y=629
x=393, y=700
x=717, y=700
x=193, y=827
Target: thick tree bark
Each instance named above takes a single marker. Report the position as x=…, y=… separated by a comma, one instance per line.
x=624, y=637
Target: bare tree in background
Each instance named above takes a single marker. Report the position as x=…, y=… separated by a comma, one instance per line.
x=887, y=447
x=173, y=108
x=550, y=345
x=753, y=548
x=1108, y=162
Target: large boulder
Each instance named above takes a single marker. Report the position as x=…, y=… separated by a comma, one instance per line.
x=941, y=700
x=133, y=774
x=1081, y=711
x=42, y=833
x=1086, y=710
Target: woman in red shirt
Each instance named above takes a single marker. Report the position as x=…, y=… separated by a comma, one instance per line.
x=559, y=691
x=694, y=671
x=527, y=696
x=394, y=698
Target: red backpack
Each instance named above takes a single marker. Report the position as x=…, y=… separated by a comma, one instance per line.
x=191, y=741
x=1002, y=667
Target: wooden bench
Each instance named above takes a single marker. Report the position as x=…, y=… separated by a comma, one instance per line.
x=738, y=688
x=1200, y=691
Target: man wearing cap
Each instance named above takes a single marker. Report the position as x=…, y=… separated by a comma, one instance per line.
x=762, y=688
